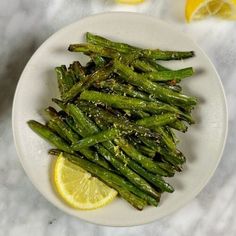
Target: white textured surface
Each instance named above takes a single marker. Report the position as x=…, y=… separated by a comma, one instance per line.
x=24, y=26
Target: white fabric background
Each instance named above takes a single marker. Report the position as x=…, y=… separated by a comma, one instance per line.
x=24, y=25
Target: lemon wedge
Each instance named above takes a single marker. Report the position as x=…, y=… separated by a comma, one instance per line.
x=78, y=188
x=199, y=9
x=130, y=1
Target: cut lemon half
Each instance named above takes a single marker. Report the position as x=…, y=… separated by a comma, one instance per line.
x=199, y=9
x=78, y=188
x=130, y=1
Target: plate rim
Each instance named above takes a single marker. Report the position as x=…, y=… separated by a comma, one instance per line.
x=169, y=26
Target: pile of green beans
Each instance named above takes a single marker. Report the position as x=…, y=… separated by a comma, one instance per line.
x=117, y=115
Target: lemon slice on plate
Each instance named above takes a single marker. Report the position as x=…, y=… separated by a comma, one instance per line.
x=199, y=9
x=130, y=1
x=78, y=188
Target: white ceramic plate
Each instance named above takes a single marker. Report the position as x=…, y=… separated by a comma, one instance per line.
x=203, y=144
